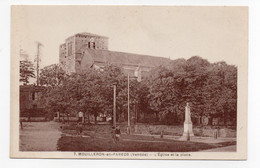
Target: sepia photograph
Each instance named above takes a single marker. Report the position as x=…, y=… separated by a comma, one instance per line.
x=129, y=82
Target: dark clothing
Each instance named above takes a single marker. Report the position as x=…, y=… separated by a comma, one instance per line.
x=118, y=131
x=117, y=134
x=80, y=128
x=80, y=119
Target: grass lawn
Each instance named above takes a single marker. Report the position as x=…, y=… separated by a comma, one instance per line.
x=104, y=142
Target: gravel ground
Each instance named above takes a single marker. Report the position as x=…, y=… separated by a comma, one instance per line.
x=39, y=136
x=231, y=148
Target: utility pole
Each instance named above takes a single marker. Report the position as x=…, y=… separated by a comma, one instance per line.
x=38, y=62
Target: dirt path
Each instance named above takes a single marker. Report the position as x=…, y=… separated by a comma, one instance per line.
x=39, y=136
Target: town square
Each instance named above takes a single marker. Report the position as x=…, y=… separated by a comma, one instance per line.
x=96, y=81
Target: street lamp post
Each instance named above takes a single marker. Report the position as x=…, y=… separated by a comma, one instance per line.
x=128, y=105
x=114, y=105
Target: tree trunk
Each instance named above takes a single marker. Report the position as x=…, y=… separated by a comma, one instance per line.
x=156, y=117
x=88, y=118
x=63, y=119
x=95, y=115
x=135, y=113
x=84, y=116
x=30, y=115
x=59, y=116
x=201, y=120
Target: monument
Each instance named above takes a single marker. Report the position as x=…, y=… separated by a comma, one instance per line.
x=187, y=132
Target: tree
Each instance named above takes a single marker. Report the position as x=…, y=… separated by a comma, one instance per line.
x=90, y=91
x=221, y=91
x=164, y=94
x=55, y=96
x=26, y=71
x=110, y=76
x=142, y=99
x=52, y=75
x=195, y=82
x=86, y=90
x=211, y=89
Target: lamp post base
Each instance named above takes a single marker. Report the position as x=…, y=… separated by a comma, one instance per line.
x=128, y=130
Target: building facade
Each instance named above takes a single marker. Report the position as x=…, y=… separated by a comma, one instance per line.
x=86, y=50
x=29, y=101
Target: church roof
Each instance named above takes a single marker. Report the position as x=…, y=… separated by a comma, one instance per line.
x=86, y=34
x=126, y=58
x=90, y=34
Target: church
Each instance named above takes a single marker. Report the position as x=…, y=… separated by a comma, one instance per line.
x=87, y=50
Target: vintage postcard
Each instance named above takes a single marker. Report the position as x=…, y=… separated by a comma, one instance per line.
x=129, y=82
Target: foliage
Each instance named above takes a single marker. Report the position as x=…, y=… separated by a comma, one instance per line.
x=26, y=71
x=211, y=89
x=51, y=75
x=90, y=92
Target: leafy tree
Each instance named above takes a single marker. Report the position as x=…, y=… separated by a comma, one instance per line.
x=88, y=95
x=52, y=75
x=209, y=88
x=90, y=91
x=195, y=81
x=221, y=90
x=26, y=71
x=110, y=76
x=142, y=99
x=164, y=94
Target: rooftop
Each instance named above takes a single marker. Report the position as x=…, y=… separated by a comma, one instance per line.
x=90, y=34
x=87, y=34
x=123, y=58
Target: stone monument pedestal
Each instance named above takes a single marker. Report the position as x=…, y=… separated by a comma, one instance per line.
x=188, y=129
x=187, y=125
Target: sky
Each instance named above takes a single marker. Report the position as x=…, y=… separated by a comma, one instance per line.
x=213, y=33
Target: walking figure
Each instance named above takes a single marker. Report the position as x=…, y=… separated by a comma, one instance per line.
x=117, y=132
x=80, y=128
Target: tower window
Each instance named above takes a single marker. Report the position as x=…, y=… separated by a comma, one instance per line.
x=88, y=44
x=94, y=46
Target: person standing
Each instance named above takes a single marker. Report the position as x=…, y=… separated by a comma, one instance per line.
x=80, y=128
x=117, y=132
x=80, y=117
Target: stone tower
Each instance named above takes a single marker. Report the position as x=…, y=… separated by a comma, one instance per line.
x=70, y=50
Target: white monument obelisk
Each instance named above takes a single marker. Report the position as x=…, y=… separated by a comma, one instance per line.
x=187, y=132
